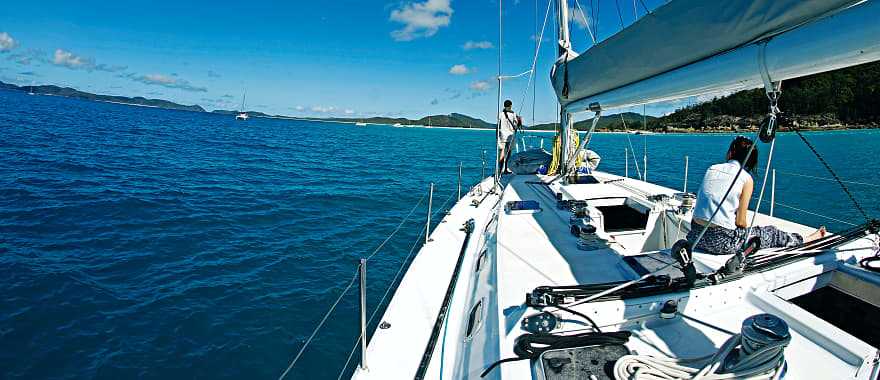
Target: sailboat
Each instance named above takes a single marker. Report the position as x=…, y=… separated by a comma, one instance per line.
x=568, y=275
x=31, y=89
x=242, y=115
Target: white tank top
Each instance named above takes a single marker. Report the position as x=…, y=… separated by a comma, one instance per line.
x=715, y=184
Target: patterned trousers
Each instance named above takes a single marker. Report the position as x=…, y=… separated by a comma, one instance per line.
x=724, y=241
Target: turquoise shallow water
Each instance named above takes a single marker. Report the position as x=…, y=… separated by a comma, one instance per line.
x=149, y=243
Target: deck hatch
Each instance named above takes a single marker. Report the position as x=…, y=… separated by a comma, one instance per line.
x=617, y=218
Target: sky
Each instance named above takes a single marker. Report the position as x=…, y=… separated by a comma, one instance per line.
x=339, y=58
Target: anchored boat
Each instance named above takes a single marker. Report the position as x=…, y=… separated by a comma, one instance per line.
x=242, y=115
x=587, y=275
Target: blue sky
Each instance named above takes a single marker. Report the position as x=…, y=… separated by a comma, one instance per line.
x=300, y=58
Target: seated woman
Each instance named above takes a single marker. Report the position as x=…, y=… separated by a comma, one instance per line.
x=726, y=234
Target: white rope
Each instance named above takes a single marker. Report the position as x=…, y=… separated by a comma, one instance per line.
x=381, y=301
x=320, y=324
x=761, y=364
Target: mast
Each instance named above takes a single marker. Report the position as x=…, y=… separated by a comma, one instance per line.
x=564, y=53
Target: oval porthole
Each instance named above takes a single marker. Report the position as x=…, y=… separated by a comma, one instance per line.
x=481, y=261
x=475, y=320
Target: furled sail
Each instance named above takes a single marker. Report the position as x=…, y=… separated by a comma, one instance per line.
x=678, y=34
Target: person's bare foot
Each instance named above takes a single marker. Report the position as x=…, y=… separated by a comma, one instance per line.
x=820, y=233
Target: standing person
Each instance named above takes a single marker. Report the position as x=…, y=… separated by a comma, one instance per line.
x=726, y=232
x=508, y=123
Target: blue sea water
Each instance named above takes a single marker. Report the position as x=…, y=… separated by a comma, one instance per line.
x=148, y=243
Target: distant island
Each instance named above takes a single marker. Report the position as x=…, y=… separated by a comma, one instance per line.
x=842, y=99
x=68, y=92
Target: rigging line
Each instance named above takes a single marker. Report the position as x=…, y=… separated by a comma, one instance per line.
x=586, y=23
x=631, y=149
x=382, y=300
x=531, y=71
x=504, y=77
x=827, y=179
x=320, y=324
x=833, y=174
x=405, y=219
x=761, y=196
x=647, y=11
x=619, y=14
x=537, y=48
x=497, y=171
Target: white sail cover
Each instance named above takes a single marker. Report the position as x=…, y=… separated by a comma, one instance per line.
x=677, y=34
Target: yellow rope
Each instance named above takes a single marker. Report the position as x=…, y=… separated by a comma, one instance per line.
x=557, y=153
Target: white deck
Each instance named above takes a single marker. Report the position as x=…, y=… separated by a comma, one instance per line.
x=529, y=250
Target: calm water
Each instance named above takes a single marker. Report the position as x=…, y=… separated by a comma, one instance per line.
x=149, y=243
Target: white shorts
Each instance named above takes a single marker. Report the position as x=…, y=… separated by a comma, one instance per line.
x=504, y=141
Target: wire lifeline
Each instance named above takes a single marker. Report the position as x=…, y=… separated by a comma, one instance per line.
x=405, y=219
x=320, y=324
x=382, y=300
x=827, y=179
x=333, y=307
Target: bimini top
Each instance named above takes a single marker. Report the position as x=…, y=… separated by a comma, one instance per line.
x=677, y=34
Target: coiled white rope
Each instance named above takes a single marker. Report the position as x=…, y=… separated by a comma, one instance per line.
x=753, y=362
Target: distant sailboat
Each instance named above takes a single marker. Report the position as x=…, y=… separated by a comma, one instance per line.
x=360, y=124
x=242, y=115
x=31, y=89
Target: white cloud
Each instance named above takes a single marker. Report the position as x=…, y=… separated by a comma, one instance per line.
x=349, y=112
x=323, y=109
x=421, y=20
x=71, y=61
x=481, y=86
x=471, y=45
x=7, y=42
x=460, y=70
x=300, y=108
x=578, y=17
x=169, y=81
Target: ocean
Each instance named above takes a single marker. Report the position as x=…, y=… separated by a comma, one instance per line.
x=158, y=244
